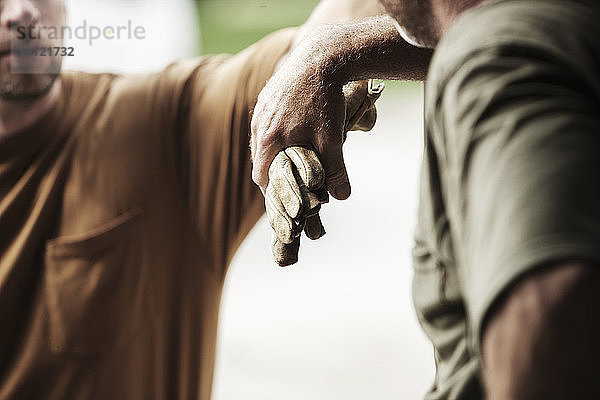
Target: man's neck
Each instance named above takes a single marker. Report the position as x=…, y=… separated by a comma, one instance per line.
x=18, y=115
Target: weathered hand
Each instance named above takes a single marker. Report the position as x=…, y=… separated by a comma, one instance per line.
x=301, y=105
x=296, y=187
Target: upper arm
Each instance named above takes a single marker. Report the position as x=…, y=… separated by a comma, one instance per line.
x=540, y=340
x=214, y=160
x=517, y=130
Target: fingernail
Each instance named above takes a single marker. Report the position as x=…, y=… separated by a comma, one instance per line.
x=341, y=191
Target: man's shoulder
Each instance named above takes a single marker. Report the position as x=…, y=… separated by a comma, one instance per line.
x=564, y=30
x=122, y=83
x=507, y=53
x=86, y=81
x=121, y=92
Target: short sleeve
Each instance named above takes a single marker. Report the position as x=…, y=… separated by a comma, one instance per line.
x=516, y=124
x=214, y=128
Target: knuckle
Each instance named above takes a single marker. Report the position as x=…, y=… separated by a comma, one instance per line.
x=336, y=173
x=258, y=176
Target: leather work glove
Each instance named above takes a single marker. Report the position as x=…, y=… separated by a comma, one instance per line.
x=296, y=188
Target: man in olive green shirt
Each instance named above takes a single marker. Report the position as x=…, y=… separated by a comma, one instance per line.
x=506, y=276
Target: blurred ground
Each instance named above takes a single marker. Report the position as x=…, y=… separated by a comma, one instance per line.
x=339, y=324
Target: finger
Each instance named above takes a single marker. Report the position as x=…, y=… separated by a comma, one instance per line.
x=355, y=93
x=336, y=176
x=314, y=228
x=308, y=167
x=285, y=185
x=311, y=201
x=311, y=176
x=367, y=120
x=361, y=112
x=255, y=130
x=265, y=144
x=283, y=226
x=285, y=254
x=262, y=158
x=322, y=195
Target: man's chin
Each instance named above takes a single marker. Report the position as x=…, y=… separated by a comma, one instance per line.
x=413, y=40
x=25, y=86
x=415, y=21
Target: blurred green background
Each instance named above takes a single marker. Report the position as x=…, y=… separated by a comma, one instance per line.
x=228, y=26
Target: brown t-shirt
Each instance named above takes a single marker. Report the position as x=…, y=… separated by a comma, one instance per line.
x=119, y=213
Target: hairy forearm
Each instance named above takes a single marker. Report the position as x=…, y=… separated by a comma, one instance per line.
x=364, y=49
x=338, y=12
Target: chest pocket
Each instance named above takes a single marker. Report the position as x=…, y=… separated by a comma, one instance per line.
x=96, y=288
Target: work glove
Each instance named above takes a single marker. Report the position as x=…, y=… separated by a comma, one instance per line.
x=296, y=188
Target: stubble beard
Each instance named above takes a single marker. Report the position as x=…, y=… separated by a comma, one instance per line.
x=29, y=81
x=25, y=86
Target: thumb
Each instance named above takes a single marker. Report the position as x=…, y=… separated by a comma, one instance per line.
x=336, y=176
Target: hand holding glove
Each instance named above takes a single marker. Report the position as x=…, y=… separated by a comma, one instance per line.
x=297, y=184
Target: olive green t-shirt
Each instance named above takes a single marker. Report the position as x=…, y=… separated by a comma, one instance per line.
x=119, y=213
x=511, y=175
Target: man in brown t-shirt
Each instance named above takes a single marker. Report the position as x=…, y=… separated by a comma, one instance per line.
x=122, y=201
